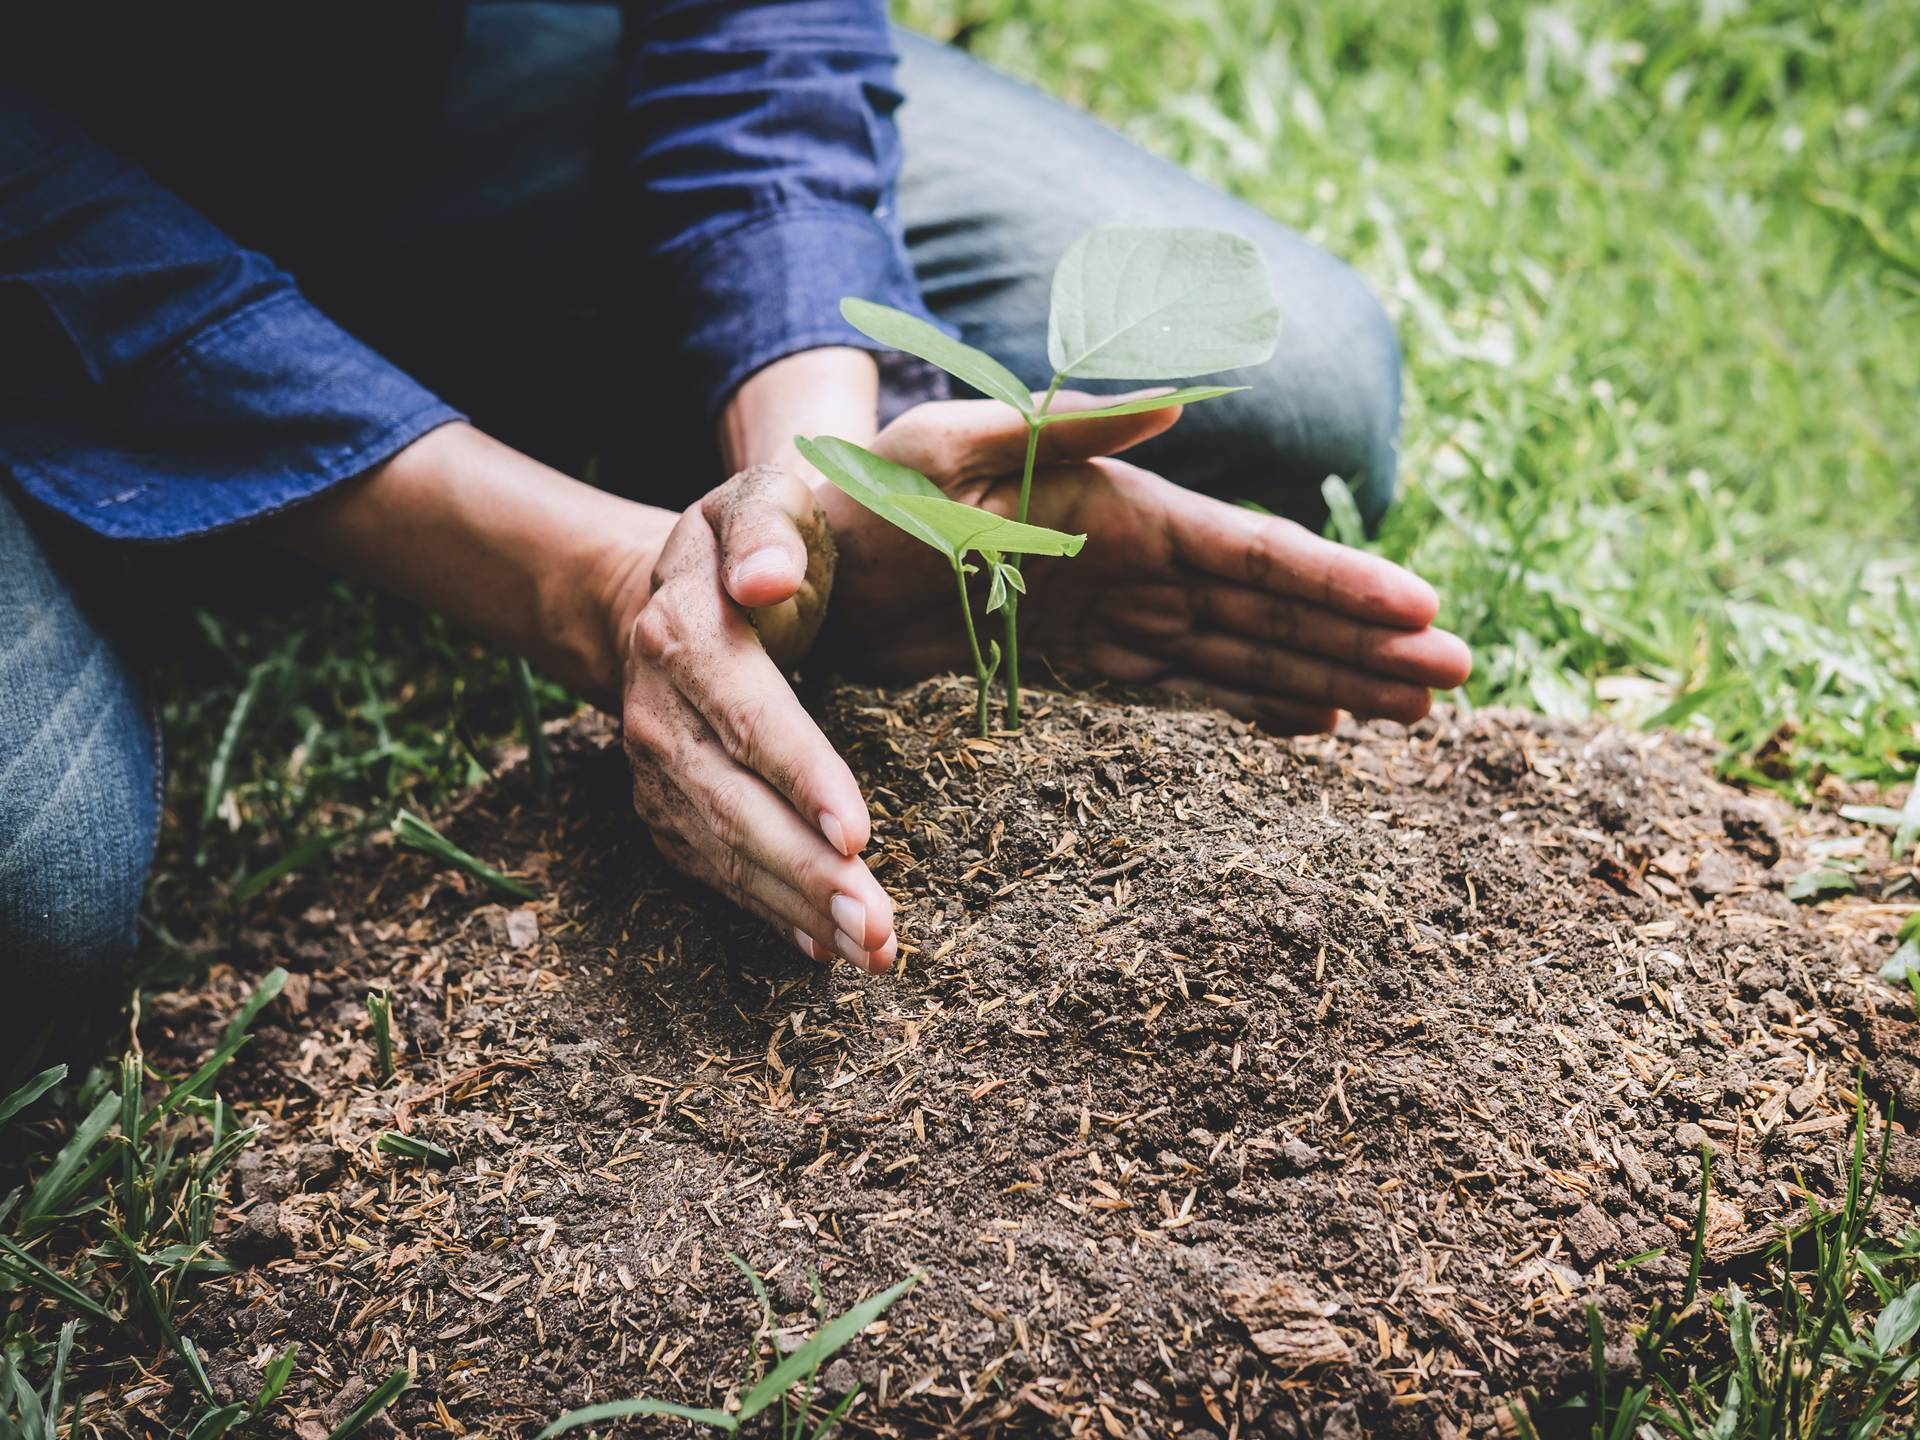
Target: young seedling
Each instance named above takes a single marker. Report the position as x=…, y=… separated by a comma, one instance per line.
x=1129, y=302
x=380, y=1013
x=796, y=1373
x=906, y=498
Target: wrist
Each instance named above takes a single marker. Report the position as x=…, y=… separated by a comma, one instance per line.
x=528, y=557
x=834, y=390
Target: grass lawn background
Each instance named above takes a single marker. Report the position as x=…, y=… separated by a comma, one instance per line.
x=1656, y=268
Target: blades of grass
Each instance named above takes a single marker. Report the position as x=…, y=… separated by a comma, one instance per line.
x=231, y=1039
x=132, y=1209
x=140, y=1273
x=825, y=1342
x=302, y=854
x=383, y=1395
x=409, y=1147
x=229, y=742
x=539, y=759
x=57, y=1381
x=1698, y=1258
x=50, y=1194
x=629, y=1409
x=31, y=1091
x=33, y=1414
x=410, y=830
x=1343, y=516
x=832, y=1417
x=216, y=1423
x=380, y=1014
x=275, y=1380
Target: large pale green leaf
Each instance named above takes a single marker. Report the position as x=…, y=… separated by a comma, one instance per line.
x=900, y=331
x=967, y=527
x=906, y=498
x=877, y=483
x=1134, y=302
x=1898, y=1323
x=1192, y=395
x=825, y=1343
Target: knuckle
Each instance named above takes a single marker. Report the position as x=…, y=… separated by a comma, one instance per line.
x=654, y=632
x=744, y=719
x=726, y=812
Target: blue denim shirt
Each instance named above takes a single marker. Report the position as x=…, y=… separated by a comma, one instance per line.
x=160, y=380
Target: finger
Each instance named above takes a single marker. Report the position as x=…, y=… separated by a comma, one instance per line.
x=710, y=654
x=960, y=440
x=1282, y=717
x=1263, y=551
x=756, y=517
x=744, y=821
x=1301, y=679
x=759, y=893
x=1429, y=657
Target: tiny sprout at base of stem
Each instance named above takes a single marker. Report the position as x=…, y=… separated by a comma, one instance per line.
x=1109, y=319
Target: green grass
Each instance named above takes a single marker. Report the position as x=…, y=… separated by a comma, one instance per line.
x=107, y=1236
x=1825, y=1347
x=1659, y=449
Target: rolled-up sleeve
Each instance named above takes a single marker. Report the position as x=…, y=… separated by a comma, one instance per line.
x=158, y=380
x=764, y=160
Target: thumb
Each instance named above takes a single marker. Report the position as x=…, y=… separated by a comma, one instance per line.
x=776, y=556
x=954, y=441
x=756, y=519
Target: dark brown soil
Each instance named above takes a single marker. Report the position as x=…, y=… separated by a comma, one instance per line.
x=1227, y=1087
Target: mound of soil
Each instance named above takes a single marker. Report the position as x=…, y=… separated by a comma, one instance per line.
x=1228, y=1087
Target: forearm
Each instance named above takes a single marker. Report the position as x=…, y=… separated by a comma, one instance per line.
x=530, y=558
x=830, y=391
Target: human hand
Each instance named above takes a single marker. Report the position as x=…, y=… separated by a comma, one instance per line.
x=736, y=783
x=1174, y=590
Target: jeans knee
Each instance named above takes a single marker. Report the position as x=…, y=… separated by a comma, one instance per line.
x=73, y=869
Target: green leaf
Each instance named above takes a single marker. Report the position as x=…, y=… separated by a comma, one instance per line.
x=409, y=829
x=1192, y=395
x=898, y=330
x=409, y=1147
x=388, y=1391
x=275, y=1380
x=627, y=1409
x=825, y=1343
x=967, y=527
x=1905, y=962
x=49, y=1194
x=1898, y=1323
x=1819, y=884
x=1135, y=302
x=19, y=1266
x=216, y=1423
x=877, y=483
x=31, y=1091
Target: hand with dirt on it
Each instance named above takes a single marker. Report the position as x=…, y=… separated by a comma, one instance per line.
x=736, y=783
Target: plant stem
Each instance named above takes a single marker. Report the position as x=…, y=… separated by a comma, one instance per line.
x=1012, y=621
x=981, y=678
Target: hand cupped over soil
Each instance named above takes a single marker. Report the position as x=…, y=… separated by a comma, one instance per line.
x=1226, y=1084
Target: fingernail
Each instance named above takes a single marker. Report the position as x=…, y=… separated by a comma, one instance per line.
x=835, y=832
x=762, y=563
x=805, y=942
x=850, y=949
x=882, y=959
x=851, y=916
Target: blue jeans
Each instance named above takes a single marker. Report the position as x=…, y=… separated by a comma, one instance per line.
x=999, y=180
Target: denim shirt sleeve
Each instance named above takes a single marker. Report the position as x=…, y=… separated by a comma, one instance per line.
x=764, y=158
x=156, y=379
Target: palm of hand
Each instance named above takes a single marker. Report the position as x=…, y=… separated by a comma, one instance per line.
x=1173, y=590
